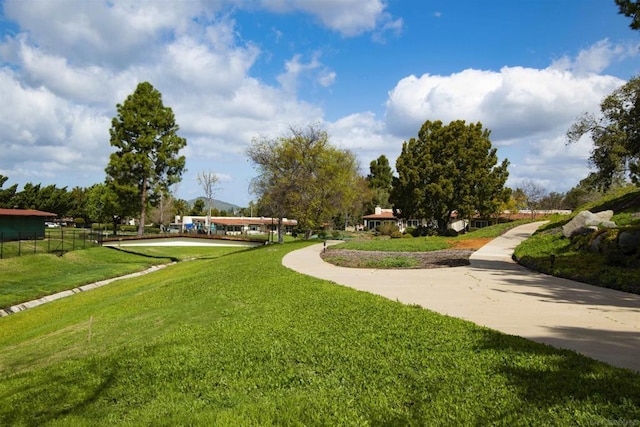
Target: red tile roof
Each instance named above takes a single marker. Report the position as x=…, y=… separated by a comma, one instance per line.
x=382, y=215
x=24, y=212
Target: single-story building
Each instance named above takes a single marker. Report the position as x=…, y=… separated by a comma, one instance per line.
x=383, y=216
x=16, y=224
x=227, y=225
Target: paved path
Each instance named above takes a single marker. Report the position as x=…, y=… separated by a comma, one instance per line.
x=496, y=292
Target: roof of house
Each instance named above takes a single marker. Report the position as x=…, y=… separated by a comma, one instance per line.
x=250, y=221
x=385, y=214
x=24, y=212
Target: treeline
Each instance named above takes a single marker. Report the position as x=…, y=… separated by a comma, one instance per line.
x=86, y=205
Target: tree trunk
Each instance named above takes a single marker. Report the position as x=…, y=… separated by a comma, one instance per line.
x=280, y=234
x=143, y=211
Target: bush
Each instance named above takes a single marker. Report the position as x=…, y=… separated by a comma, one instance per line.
x=387, y=229
x=396, y=234
x=407, y=236
x=335, y=234
x=79, y=222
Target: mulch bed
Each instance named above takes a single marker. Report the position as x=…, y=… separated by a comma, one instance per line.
x=434, y=259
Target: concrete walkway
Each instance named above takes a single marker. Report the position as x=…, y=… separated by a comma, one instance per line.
x=496, y=292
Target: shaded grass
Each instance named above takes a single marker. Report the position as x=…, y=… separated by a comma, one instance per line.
x=240, y=340
x=183, y=252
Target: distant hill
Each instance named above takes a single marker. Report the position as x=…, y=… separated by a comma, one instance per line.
x=217, y=204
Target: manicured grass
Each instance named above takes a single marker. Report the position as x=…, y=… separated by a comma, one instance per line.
x=31, y=277
x=425, y=244
x=184, y=252
x=240, y=340
x=56, y=240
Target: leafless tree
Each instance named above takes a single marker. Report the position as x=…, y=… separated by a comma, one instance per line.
x=208, y=181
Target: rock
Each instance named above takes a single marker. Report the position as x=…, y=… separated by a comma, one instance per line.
x=586, y=219
x=595, y=243
x=629, y=241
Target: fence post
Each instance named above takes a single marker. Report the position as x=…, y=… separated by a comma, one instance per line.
x=35, y=243
x=19, y=241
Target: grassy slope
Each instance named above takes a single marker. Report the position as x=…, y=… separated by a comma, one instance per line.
x=33, y=276
x=241, y=340
x=572, y=263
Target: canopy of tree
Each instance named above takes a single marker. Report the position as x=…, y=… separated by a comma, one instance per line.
x=146, y=162
x=303, y=177
x=630, y=9
x=449, y=168
x=615, y=135
x=380, y=181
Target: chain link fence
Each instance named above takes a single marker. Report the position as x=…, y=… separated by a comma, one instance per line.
x=58, y=241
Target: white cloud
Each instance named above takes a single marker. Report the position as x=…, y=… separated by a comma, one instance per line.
x=296, y=69
x=348, y=17
x=596, y=58
x=528, y=110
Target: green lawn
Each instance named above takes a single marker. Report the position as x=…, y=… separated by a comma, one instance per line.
x=31, y=277
x=425, y=244
x=240, y=340
x=56, y=240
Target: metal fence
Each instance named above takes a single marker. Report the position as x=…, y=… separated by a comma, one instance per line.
x=58, y=241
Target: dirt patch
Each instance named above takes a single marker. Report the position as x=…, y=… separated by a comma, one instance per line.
x=469, y=243
x=375, y=259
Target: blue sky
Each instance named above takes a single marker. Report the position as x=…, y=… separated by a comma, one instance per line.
x=369, y=71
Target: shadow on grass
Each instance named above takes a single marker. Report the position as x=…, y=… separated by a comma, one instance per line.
x=565, y=377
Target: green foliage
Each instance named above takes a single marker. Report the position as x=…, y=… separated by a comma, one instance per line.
x=615, y=135
x=379, y=181
x=630, y=9
x=387, y=228
x=449, y=168
x=209, y=343
x=572, y=258
x=146, y=162
x=303, y=177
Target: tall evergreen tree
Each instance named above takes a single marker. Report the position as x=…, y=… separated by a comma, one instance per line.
x=146, y=162
x=380, y=180
x=449, y=168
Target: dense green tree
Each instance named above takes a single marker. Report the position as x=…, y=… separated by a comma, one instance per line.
x=302, y=176
x=7, y=194
x=449, y=168
x=198, y=208
x=147, y=160
x=630, y=9
x=615, y=135
x=380, y=180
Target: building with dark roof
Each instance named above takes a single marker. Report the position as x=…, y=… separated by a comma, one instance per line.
x=16, y=224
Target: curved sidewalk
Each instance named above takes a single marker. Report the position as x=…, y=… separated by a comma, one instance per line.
x=496, y=292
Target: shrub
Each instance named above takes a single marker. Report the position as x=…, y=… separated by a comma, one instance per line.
x=335, y=234
x=396, y=234
x=387, y=229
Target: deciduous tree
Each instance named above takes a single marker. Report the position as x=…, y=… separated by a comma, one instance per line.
x=147, y=159
x=449, y=168
x=302, y=176
x=208, y=181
